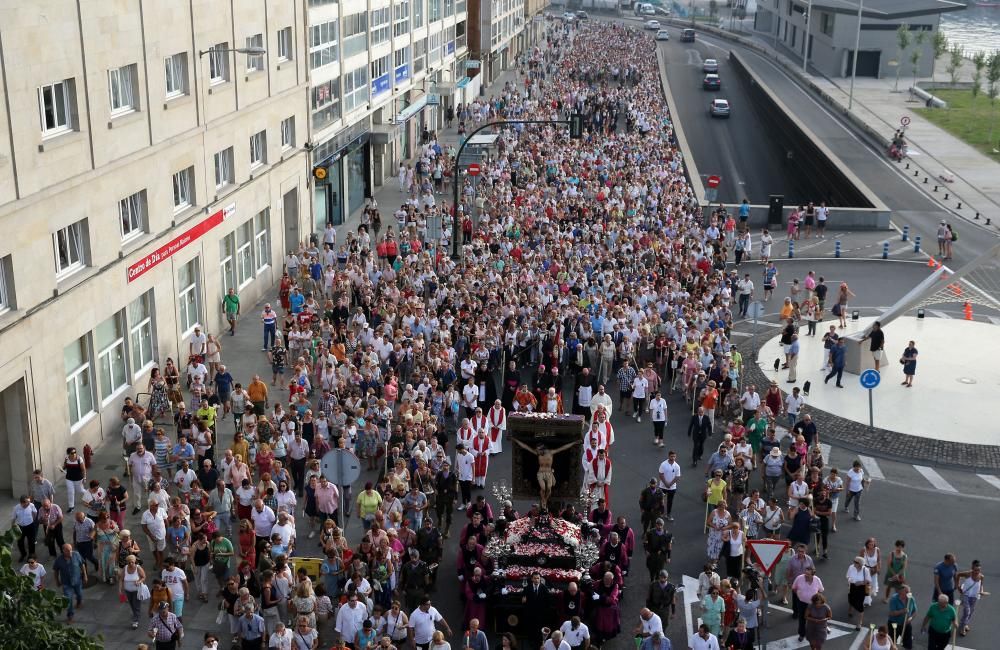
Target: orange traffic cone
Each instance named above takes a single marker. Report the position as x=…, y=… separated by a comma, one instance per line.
x=968, y=311
x=931, y=262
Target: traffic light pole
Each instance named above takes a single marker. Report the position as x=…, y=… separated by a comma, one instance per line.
x=575, y=123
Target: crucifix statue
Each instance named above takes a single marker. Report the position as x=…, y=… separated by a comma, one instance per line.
x=546, y=478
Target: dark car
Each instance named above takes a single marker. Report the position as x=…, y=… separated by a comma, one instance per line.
x=711, y=82
x=687, y=36
x=582, y=15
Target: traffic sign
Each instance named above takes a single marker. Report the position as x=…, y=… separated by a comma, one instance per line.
x=870, y=378
x=340, y=466
x=474, y=169
x=755, y=310
x=767, y=552
x=713, y=181
x=905, y=120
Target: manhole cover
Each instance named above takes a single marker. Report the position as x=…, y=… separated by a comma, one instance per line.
x=966, y=380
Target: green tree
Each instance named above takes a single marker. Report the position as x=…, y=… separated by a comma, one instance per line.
x=902, y=44
x=29, y=619
x=979, y=63
x=993, y=76
x=918, y=51
x=955, y=57
x=939, y=42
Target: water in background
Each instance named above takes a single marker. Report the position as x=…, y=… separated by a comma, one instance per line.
x=974, y=28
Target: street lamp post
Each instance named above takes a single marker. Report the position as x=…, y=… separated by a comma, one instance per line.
x=575, y=124
x=854, y=61
x=252, y=51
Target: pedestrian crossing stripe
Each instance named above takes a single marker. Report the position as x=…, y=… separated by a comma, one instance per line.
x=871, y=466
x=992, y=480
x=934, y=478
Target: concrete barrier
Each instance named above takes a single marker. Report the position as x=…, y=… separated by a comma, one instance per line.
x=928, y=99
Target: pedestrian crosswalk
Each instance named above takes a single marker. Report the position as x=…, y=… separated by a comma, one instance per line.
x=872, y=467
x=934, y=478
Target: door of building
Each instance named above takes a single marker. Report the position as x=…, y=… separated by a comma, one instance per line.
x=290, y=216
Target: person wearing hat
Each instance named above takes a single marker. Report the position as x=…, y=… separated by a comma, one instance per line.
x=199, y=342
x=773, y=468
x=165, y=629
x=859, y=582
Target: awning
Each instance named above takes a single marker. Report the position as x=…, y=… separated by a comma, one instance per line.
x=463, y=82
x=411, y=110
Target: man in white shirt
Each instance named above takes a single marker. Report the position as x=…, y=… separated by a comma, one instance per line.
x=281, y=638
x=856, y=483
x=154, y=524
x=556, y=642
x=670, y=474
x=658, y=410
x=286, y=528
x=199, y=342
x=576, y=634
x=140, y=467
x=749, y=402
x=639, y=386
x=131, y=436
x=176, y=581
x=423, y=623
x=649, y=622
x=793, y=406
x=703, y=639
x=263, y=521
x=465, y=466
x=350, y=618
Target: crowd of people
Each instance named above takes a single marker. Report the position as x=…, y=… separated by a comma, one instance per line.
x=586, y=264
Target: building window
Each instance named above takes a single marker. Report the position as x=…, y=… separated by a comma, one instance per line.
x=288, y=132
x=434, y=10
x=6, y=286
x=285, y=44
x=262, y=238
x=188, y=302
x=110, y=342
x=418, y=13
x=79, y=388
x=218, y=63
x=258, y=149
x=355, y=89
x=449, y=8
x=140, y=333
x=175, y=73
x=54, y=102
x=227, y=265
x=255, y=62
x=826, y=23
x=434, y=48
x=460, y=7
x=244, y=254
x=323, y=39
x=224, y=168
x=381, y=82
x=380, y=25
x=121, y=82
x=70, y=251
x=401, y=18
x=318, y=3
x=132, y=215
x=355, y=35
x=183, y=182
x=400, y=61
x=325, y=103
x=419, y=54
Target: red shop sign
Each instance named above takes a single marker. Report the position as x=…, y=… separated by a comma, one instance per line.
x=190, y=235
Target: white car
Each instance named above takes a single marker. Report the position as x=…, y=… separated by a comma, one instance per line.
x=663, y=35
x=652, y=24
x=719, y=108
x=710, y=65
x=568, y=16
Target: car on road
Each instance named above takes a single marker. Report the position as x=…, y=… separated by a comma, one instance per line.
x=719, y=108
x=582, y=15
x=663, y=35
x=652, y=24
x=710, y=65
x=687, y=36
x=568, y=16
x=644, y=9
x=711, y=82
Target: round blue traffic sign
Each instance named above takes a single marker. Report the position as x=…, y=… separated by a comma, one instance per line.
x=870, y=378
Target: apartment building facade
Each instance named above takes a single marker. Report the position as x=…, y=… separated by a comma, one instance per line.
x=145, y=167
x=380, y=73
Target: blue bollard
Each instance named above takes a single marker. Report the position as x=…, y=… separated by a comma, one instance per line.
x=916, y=244
x=906, y=233
x=885, y=250
x=836, y=248
x=791, y=248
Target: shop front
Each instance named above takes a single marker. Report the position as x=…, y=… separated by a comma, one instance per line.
x=342, y=178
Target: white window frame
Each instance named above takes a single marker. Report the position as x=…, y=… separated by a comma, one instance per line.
x=255, y=62
x=218, y=64
x=58, y=96
x=380, y=26
x=224, y=174
x=175, y=75
x=227, y=262
x=258, y=149
x=132, y=215
x=324, y=44
x=82, y=379
x=188, y=298
x=121, y=90
x=244, y=254
x=325, y=102
x=288, y=133
x=357, y=89
x=262, y=239
x=73, y=234
x=5, y=298
x=107, y=363
x=285, y=44
x=140, y=335
x=182, y=184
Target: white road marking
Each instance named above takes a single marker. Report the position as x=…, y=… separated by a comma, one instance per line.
x=934, y=478
x=994, y=319
x=871, y=466
x=938, y=313
x=825, y=449
x=992, y=480
x=859, y=639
